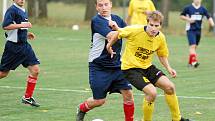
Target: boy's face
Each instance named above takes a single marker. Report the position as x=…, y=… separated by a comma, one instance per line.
x=153, y=27
x=20, y=3
x=104, y=7
x=197, y=2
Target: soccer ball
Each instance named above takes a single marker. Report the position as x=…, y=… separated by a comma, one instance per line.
x=97, y=120
x=75, y=27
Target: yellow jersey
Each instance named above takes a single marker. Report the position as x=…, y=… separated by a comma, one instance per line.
x=140, y=47
x=136, y=10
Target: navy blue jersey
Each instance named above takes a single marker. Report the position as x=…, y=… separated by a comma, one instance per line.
x=196, y=14
x=15, y=15
x=98, y=54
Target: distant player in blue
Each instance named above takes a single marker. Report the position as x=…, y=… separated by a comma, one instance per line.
x=105, y=74
x=17, y=49
x=193, y=15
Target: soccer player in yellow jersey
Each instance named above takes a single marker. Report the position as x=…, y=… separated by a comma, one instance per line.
x=142, y=42
x=138, y=10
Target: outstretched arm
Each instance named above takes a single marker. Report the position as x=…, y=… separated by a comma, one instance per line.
x=164, y=61
x=187, y=19
x=211, y=22
x=112, y=38
x=18, y=26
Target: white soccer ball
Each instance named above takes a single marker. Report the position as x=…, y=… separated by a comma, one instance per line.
x=75, y=27
x=97, y=120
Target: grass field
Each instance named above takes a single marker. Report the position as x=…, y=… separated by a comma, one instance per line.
x=63, y=81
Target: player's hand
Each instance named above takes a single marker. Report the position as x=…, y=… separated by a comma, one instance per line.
x=26, y=25
x=172, y=72
x=147, y=12
x=31, y=36
x=113, y=25
x=110, y=50
x=191, y=20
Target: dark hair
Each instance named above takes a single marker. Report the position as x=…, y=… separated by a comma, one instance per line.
x=155, y=16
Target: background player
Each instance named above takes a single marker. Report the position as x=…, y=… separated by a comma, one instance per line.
x=105, y=74
x=17, y=50
x=193, y=15
x=142, y=42
x=138, y=10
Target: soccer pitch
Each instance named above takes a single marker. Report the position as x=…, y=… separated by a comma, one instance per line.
x=63, y=81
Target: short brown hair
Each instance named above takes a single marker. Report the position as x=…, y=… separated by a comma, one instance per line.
x=155, y=16
x=97, y=0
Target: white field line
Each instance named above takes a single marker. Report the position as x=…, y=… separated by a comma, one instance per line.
x=88, y=91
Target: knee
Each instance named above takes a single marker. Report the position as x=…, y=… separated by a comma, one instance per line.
x=35, y=71
x=99, y=102
x=3, y=74
x=151, y=95
x=170, y=89
x=128, y=96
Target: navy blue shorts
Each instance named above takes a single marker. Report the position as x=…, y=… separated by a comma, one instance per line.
x=104, y=80
x=17, y=53
x=193, y=37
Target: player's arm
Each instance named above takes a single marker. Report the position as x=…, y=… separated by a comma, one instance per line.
x=164, y=61
x=130, y=12
x=18, y=26
x=112, y=38
x=187, y=19
x=211, y=22
x=128, y=20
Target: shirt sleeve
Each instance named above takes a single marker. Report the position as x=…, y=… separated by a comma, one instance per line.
x=206, y=13
x=101, y=27
x=124, y=32
x=185, y=11
x=163, y=49
x=8, y=18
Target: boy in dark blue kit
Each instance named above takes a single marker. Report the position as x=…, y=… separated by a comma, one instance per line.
x=105, y=74
x=193, y=15
x=17, y=50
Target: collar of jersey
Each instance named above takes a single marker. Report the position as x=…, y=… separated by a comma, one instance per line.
x=19, y=7
x=108, y=18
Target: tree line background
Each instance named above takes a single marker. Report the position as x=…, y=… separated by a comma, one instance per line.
x=37, y=9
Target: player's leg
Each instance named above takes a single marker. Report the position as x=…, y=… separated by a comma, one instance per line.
x=32, y=64
x=10, y=59
x=136, y=78
x=32, y=80
x=3, y=74
x=169, y=89
x=193, y=39
x=88, y=105
x=148, y=102
x=170, y=95
x=128, y=104
x=31, y=83
x=99, y=86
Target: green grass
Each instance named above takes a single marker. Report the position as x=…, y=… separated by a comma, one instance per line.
x=63, y=54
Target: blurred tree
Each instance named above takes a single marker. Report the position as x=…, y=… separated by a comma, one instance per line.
x=37, y=8
x=42, y=9
x=90, y=10
x=32, y=8
x=165, y=10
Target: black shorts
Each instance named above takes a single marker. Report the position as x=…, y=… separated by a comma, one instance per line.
x=139, y=78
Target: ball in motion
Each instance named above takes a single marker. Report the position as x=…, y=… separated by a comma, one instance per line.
x=97, y=120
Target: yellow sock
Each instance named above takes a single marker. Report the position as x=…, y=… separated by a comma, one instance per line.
x=172, y=101
x=148, y=108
